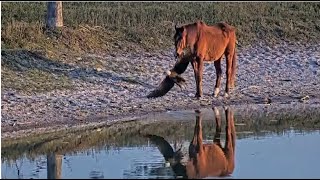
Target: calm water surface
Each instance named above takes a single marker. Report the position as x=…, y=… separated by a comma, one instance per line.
x=265, y=147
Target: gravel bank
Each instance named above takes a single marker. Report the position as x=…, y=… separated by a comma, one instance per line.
x=283, y=73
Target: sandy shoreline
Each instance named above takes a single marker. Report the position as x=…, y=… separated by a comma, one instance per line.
x=284, y=73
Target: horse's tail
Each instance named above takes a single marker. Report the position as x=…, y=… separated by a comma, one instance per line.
x=234, y=67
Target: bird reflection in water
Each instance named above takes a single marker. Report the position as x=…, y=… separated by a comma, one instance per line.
x=201, y=160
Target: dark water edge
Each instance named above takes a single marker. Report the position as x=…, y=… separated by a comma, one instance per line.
x=272, y=142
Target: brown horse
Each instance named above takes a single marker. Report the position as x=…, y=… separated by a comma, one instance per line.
x=202, y=160
x=198, y=42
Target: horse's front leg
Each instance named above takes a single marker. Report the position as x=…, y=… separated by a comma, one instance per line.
x=196, y=143
x=196, y=72
x=197, y=64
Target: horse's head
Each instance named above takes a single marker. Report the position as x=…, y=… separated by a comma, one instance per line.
x=180, y=42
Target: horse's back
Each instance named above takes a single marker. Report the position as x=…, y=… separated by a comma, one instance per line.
x=210, y=42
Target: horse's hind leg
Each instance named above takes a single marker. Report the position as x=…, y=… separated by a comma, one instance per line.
x=234, y=69
x=229, y=57
x=229, y=148
x=217, y=65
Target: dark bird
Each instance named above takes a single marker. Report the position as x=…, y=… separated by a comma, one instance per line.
x=173, y=77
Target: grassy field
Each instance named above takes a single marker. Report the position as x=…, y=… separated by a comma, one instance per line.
x=150, y=24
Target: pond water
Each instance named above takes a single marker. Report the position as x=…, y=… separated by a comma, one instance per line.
x=278, y=144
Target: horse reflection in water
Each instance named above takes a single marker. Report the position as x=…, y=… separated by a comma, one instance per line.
x=202, y=160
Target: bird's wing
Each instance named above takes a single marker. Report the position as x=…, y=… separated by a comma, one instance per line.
x=163, y=146
x=165, y=86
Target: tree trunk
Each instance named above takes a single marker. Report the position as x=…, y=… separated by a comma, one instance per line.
x=54, y=15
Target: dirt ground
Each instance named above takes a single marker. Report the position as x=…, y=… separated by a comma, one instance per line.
x=284, y=73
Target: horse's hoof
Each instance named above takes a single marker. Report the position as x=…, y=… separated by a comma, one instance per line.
x=197, y=96
x=226, y=95
x=216, y=92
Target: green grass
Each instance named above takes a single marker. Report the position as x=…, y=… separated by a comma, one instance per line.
x=151, y=23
